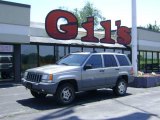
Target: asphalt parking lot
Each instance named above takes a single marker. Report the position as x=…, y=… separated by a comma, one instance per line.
x=16, y=103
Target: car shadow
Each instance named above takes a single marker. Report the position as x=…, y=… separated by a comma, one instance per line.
x=136, y=116
x=81, y=99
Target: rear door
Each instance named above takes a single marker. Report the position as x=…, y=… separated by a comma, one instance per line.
x=111, y=69
x=125, y=64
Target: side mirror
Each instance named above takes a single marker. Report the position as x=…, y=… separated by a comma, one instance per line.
x=87, y=66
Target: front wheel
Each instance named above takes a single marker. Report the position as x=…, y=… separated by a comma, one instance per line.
x=37, y=94
x=65, y=94
x=120, y=88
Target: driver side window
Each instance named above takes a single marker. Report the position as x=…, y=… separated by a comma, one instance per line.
x=95, y=61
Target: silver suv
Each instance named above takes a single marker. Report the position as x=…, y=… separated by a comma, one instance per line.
x=82, y=71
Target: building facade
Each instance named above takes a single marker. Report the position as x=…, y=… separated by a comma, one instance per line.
x=24, y=44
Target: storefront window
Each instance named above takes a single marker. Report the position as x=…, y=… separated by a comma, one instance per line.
x=60, y=51
x=128, y=53
x=6, y=67
x=155, y=65
x=142, y=60
x=87, y=49
x=109, y=50
x=99, y=49
x=46, y=55
x=75, y=49
x=6, y=63
x=118, y=51
x=29, y=57
x=159, y=62
x=149, y=62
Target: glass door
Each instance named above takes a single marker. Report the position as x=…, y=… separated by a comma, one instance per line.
x=6, y=67
x=6, y=63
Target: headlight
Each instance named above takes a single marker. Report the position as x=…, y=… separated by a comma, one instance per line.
x=47, y=77
x=25, y=75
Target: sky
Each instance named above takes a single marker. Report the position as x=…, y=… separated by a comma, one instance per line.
x=148, y=11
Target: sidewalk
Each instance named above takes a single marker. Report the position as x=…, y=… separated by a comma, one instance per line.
x=9, y=84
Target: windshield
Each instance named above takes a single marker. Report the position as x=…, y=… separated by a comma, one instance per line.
x=73, y=59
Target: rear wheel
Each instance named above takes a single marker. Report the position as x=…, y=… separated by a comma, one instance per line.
x=37, y=94
x=65, y=94
x=120, y=88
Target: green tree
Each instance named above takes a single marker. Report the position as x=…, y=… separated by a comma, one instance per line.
x=87, y=11
x=154, y=27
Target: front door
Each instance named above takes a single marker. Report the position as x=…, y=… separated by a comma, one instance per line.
x=93, y=77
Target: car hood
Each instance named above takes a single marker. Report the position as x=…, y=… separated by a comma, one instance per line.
x=50, y=69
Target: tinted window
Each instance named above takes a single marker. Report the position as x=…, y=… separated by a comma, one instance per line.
x=109, y=61
x=87, y=49
x=95, y=61
x=29, y=57
x=60, y=52
x=75, y=49
x=122, y=60
x=46, y=55
x=73, y=59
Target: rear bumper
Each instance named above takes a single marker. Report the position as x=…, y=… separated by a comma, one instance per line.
x=48, y=88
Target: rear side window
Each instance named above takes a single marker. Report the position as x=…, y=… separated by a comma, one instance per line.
x=122, y=60
x=109, y=61
x=95, y=61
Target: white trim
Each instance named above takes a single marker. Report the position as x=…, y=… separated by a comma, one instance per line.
x=11, y=38
x=148, y=45
x=71, y=42
x=14, y=29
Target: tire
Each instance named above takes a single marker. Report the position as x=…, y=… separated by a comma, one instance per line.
x=120, y=88
x=65, y=94
x=37, y=94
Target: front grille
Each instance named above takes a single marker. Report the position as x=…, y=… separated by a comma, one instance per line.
x=34, y=77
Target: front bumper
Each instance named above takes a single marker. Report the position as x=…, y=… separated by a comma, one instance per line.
x=48, y=88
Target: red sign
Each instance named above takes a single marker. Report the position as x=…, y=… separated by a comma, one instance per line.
x=70, y=30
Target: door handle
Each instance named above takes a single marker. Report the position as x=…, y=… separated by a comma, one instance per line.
x=117, y=69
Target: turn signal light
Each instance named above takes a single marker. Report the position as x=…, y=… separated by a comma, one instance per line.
x=50, y=77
